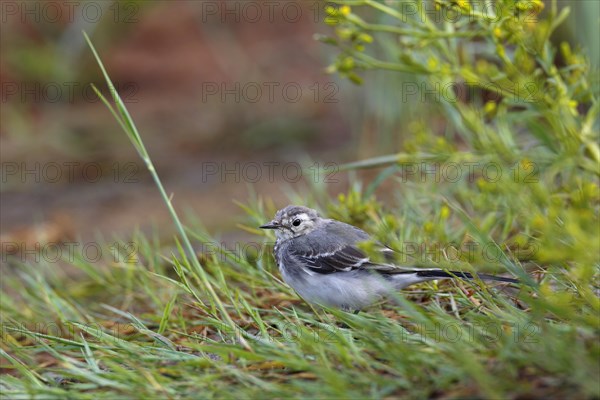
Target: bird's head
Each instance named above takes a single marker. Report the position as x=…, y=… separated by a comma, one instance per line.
x=293, y=221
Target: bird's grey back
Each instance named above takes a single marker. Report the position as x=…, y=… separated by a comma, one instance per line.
x=328, y=236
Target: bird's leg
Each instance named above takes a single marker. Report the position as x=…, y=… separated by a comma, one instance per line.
x=349, y=309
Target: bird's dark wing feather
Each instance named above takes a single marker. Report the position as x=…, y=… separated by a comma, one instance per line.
x=345, y=259
x=337, y=251
x=351, y=258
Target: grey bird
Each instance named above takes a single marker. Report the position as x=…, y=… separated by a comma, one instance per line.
x=319, y=258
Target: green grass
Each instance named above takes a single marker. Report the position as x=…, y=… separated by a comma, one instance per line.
x=161, y=322
x=133, y=328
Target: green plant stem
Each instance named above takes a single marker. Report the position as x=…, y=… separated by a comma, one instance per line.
x=126, y=122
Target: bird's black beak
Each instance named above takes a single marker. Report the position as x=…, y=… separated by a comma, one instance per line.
x=270, y=225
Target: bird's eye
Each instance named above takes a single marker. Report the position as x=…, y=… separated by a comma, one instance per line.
x=296, y=222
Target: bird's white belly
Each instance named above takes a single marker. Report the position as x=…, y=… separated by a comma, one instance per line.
x=352, y=290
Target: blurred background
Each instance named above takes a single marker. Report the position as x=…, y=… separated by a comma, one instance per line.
x=232, y=99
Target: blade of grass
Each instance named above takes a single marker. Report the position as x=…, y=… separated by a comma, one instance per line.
x=126, y=122
x=31, y=375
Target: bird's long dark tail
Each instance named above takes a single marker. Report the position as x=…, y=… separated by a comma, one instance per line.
x=432, y=273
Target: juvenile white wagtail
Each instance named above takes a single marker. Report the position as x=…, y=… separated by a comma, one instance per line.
x=320, y=260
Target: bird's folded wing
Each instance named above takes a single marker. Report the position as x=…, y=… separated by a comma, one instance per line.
x=349, y=257
x=346, y=258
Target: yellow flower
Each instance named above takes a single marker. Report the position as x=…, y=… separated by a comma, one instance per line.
x=573, y=107
x=489, y=107
x=446, y=69
x=428, y=227
x=345, y=10
x=344, y=33
x=432, y=63
x=498, y=32
x=538, y=222
x=365, y=37
x=444, y=212
x=482, y=184
x=463, y=4
x=538, y=4
x=526, y=164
